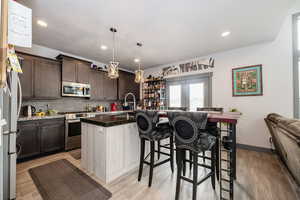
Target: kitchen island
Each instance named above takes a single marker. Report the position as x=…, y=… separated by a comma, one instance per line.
x=110, y=146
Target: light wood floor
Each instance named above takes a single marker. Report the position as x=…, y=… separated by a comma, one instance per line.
x=260, y=177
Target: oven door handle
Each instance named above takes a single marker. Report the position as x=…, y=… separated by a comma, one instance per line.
x=73, y=121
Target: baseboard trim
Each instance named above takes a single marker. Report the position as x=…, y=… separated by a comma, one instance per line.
x=254, y=148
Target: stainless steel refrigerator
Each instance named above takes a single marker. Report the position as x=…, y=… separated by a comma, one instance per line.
x=10, y=102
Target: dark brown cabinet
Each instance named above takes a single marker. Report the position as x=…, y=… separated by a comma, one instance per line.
x=83, y=72
x=96, y=81
x=75, y=70
x=41, y=77
x=26, y=77
x=69, y=71
x=52, y=135
x=46, y=79
x=110, y=87
x=126, y=84
x=38, y=137
x=28, y=139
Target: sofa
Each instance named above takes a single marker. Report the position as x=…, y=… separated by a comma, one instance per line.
x=285, y=134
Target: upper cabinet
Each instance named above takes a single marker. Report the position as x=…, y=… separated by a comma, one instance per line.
x=41, y=77
x=26, y=78
x=96, y=81
x=75, y=70
x=110, y=87
x=127, y=84
x=46, y=79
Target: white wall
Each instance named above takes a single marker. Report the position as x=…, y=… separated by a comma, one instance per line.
x=276, y=58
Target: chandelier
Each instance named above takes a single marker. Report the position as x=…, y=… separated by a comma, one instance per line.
x=113, y=70
x=139, y=74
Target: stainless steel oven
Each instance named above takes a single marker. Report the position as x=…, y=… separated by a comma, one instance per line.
x=73, y=134
x=73, y=129
x=70, y=89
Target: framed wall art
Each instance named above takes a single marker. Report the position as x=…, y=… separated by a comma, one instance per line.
x=247, y=81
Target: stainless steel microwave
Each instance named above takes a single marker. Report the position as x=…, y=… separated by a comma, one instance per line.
x=70, y=89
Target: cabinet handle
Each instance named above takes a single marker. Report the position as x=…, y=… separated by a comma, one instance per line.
x=19, y=147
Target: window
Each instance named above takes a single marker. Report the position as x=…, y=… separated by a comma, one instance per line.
x=296, y=65
x=196, y=96
x=191, y=92
x=175, y=96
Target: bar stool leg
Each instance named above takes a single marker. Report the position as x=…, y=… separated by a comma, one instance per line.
x=179, y=167
x=158, y=149
x=213, y=163
x=142, y=157
x=195, y=175
x=172, y=153
x=183, y=162
x=217, y=159
x=152, y=153
x=191, y=159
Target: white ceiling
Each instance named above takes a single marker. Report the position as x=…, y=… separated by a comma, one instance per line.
x=171, y=30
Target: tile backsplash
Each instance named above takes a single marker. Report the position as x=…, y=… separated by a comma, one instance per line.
x=66, y=104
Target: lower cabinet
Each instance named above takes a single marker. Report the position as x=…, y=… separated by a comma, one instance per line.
x=38, y=137
x=52, y=136
x=28, y=139
x=110, y=152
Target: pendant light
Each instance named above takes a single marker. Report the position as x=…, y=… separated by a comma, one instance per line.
x=113, y=71
x=139, y=74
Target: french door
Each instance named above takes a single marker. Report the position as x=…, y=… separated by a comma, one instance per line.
x=192, y=93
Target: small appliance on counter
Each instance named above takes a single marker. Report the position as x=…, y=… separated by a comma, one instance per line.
x=29, y=110
x=113, y=107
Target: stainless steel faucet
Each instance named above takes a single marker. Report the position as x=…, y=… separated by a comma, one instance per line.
x=134, y=102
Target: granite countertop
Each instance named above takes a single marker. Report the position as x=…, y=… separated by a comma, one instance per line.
x=109, y=120
x=23, y=118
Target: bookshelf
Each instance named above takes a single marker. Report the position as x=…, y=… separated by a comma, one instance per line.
x=154, y=94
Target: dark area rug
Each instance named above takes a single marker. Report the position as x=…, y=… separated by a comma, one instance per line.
x=76, y=154
x=61, y=180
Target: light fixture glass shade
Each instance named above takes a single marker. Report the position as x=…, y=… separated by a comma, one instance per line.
x=139, y=76
x=113, y=70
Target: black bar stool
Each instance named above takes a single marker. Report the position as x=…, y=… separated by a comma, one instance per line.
x=212, y=128
x=190, y=135
x=151, y=130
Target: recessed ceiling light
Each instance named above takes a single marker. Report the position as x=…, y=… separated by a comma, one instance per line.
x=136, y=60
x=42, y=23
x=103, y=47
x=226, y=33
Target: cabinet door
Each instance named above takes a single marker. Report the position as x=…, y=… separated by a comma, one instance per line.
x=28, y=139
x=96, y=81
x=26, y=77
x=46, y=79
x=110, y=87
x=52, y=136
x=69, y=70
x=83, y=72
x=84, y=145
x=134, y=87
x=132, y=146
x=115, y=152
x=100, y=152
x=126, y=84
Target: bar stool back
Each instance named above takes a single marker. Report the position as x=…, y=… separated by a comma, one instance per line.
x=189, y=128
x=150, y=130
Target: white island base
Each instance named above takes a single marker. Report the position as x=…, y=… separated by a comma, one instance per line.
x=110, y=152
